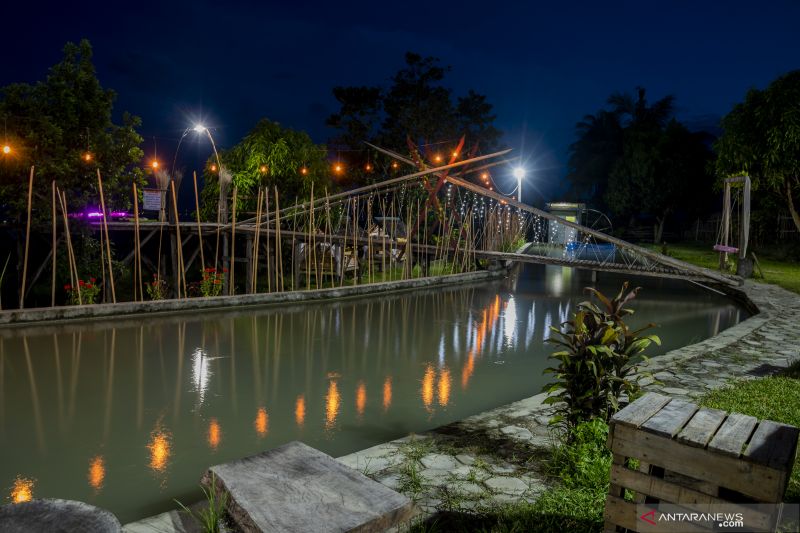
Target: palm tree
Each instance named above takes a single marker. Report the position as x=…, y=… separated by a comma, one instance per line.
x=636, y=112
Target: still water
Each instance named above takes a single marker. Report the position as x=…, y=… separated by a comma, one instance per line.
x=127, y=414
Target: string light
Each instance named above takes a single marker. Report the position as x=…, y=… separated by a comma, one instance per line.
x=437, y=158
x=368, y=167
x=213, y=167
x=87, y=156
x=6, y=149
x=154, y=164
x=338, y=168
x=394, y=164
x=263, y=169
x=303, y=170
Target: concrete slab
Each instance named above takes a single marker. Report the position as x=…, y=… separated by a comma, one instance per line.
x=295, y=488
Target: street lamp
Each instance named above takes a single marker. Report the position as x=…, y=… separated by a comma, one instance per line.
x=519, y=173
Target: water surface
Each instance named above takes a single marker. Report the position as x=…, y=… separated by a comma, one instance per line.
x=128, y=414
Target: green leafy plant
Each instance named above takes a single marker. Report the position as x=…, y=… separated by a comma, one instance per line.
x=156, y=289
x=89, y=291
x=212, y=282
x=598, y=364
x=210, y=516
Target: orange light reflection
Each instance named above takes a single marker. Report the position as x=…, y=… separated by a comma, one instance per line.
x=427, y=386
x=22, y=491
x=97, y=473
x=300, y=410
x=261, y=422
x=214, y=433
x=361, y=398
x=387, y=393
x=486, y=325
x=160, y=447
x=332, y=403
x=444, y=387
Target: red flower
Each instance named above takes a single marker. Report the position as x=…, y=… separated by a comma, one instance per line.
x=67, y=287
x=81, y=283
x=93, y=280
x=88, y=285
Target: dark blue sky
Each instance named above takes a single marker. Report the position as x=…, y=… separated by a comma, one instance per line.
x=543, y=66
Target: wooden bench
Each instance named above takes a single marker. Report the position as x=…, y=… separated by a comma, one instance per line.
x=296, y=488
x=694, y=457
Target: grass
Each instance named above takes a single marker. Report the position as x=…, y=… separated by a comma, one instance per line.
x=576, y=504
x=773, y=398
x=777, y=266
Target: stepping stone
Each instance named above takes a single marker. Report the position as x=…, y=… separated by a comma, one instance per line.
x=439, y=461
x=56, y=515
x=295, y=488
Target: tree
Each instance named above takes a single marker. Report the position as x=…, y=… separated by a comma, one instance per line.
x=272, y=156
x=633, y=158
x=761, y=138
x=54, y=123
x=417, y=105
x=592, y=156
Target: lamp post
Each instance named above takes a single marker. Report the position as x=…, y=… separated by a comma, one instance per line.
x=519, y=173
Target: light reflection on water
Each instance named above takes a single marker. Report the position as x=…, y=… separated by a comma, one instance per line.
x=149, y=405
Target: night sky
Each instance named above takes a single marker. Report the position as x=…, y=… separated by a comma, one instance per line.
x=542, y=66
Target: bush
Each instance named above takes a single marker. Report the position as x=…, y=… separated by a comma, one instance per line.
x=598, y=365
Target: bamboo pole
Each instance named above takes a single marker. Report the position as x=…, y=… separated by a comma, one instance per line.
x=266, y=208
x=74, y=277
x=278, y=248
x=199, y=226
x=53, y=277
x=180, y=270
x=344, y=263
x=357, y=274
x=231, y=288
x=138, y=243
x=108, y=242
x=308, y=241
x=27, y=242
x=254, y=267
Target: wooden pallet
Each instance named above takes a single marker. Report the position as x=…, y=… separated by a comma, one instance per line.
x=695, y=457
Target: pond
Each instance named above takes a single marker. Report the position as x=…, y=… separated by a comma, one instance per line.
x=127, y=414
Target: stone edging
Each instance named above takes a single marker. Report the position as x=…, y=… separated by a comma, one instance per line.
x=21, y=317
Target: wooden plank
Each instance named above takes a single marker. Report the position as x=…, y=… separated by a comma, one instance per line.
x=626, y=514
x=671, y=493
x=701, y=427
x=671, y=418
x=637, y=413
x=774, y=445
x=295, y=488
x=755, y=480
x=733, y=434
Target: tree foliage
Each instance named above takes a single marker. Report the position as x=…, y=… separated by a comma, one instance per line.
x=762, y=139
x=268, y=156
x=415, y=104
x=634, y=158
x=53, y=123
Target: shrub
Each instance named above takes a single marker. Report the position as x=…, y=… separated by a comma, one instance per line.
x=89, y=290
x=212, y=282
x=156, y=289
x=598, y=364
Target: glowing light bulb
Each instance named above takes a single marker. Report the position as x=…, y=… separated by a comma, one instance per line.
x=455, y=153
x=263, y=169
x=368, y=167
x=213, y=167
x=6, y=149
x=337, y=167
x=437, y=158
x=519, y=173
x=199, y=128
x=394, y=164
x=303, y=171
x=87, y=156
x=154, y=164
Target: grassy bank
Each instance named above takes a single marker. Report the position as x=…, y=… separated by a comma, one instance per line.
x=776, y=266
x=773, y=398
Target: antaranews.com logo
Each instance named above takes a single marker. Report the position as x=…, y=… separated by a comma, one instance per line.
x=731, y=517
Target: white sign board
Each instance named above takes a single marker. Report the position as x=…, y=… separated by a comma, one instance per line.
x=152, y=199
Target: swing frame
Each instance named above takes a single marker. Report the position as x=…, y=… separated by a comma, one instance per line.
x=725, y=248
